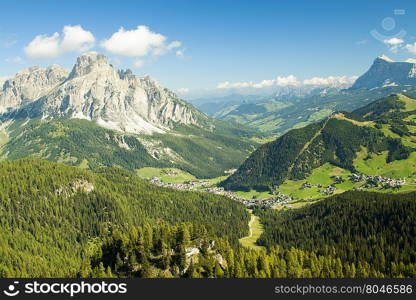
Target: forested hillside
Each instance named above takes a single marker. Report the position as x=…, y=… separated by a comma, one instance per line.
x=355, y=234
x=49, y=213
x=187, y=251
x=61, y=221
x=204, y=152
x=379, y=127
x=371, y=230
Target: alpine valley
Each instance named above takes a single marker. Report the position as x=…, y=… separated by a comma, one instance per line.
x=297, y=106
x=107, y=174
x=97, y=116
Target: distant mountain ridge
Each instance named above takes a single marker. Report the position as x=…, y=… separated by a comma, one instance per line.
x=387, y=72
x=278, y=116
x=217, y=106
x=294, y=107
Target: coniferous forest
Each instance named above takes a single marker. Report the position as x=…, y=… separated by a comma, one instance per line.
x=372, y=230
x=61, y=221
x=351, y=235
x=50, y=212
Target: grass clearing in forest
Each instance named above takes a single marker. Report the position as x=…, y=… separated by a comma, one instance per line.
x=256, y=229
x=174, y=175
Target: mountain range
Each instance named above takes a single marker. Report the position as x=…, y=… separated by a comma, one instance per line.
x=387, y=72
x=95, y=91
x=96, y=116
x=276, y=114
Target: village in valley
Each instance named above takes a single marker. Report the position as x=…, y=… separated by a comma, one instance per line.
x=205, y=187
x=276, y=198
x=369, y=181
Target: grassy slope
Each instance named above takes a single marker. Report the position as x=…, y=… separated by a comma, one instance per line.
x=366, y=163
x=320, y=175
x=370, y=163
x=256, y=229
x=374, y=166
x=163, y=174
x=167, y=175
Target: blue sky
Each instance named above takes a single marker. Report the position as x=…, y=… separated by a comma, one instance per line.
x=219, y=41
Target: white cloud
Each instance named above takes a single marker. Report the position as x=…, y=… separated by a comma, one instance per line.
x=17, y=60
x=76, y=39
x=394, y=44
x=229, y=85
x=138, y=63
x=279, y=81
x=43, y=46
x=411, y=48
x=393, y=41
x=330, y=81
x=411, y=60
x=180, y=53
x=174, y=44
x=183, y=90
x=291, y=80
x=73, y=39
x=138, y=42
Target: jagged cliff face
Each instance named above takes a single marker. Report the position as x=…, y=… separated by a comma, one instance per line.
x=117, y=100
x=28, y=85
x=387, y=72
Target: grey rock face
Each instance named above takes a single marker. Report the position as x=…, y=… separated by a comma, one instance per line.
x=93, y=90
x=28, y=85
x=385, y=72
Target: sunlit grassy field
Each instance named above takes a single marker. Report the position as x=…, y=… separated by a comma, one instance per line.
x=256, y=229
x=375, y=164
x=173, y=175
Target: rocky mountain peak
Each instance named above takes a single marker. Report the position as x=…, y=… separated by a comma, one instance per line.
x=123, y=74
x=387, y=72
x=35, y=71
x=149, y=82
x=384, y=58
x=90, y=62
x=29, y=84
x=94, y=91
